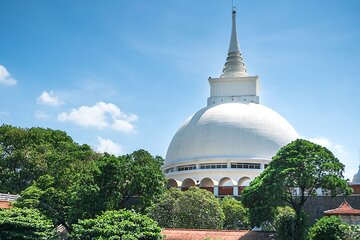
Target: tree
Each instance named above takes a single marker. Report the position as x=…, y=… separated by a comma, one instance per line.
x=120, y=224
x=164, y=208
x=67, y=181
x=43, y=196
x=112, y=183
x=328, y=228
x=28, y=153
x=198, y=208
x=293, y=175
x=194, y=208
x=284, y=223
x=25, y=224
x=236, y=216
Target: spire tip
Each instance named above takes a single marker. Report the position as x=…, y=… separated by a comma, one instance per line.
x=234, y=65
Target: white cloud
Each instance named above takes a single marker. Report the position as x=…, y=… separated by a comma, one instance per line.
x=4, y=114
x=101, y=115
x=125, y=125
x=106, y=145
x=325, y=142
x=49, y=98
x=5, y=77
x=41, y=115
x=321, y=141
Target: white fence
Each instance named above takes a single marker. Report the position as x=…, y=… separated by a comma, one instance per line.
x=8, y=197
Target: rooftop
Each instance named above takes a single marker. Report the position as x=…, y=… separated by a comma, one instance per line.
x=5, y=204
x=343, y=209
x=200, y=234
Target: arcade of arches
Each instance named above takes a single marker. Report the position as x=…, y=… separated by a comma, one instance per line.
x=225, y=186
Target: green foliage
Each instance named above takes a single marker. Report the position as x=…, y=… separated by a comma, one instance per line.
x=67, y=181
x=44, y=196
x=194, y=208
x=25, y=224
x=300, y=165
x=122, y=224
x=236, y=216
x=27, y=154
x=353, y=232
x=328, y=228
x=198, y=208
x=111, y=183
x=284, y=223
x=164, y=210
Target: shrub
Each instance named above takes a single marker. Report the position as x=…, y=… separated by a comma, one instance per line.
x=328, y=228
x=194, y=208
x=121, y=224
x=25, y=224
x=164, y=210
x=198, y=208
x=285, y=223
x=236, y=215
x=353, y=233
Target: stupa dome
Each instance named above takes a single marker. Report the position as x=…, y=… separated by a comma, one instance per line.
x=235, y=130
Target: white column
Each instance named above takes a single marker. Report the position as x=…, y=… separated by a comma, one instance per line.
x=216, y=190
x=235, y=190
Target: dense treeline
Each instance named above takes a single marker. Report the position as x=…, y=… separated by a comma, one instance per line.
x=67, y=181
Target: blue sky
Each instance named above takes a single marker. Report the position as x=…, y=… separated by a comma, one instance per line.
x=140, y=68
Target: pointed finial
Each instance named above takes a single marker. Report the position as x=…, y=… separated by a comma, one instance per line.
x=234, y=65
x=234, y=44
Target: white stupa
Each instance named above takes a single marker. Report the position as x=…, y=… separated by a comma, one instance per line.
x=356, y=178
x=225, y=145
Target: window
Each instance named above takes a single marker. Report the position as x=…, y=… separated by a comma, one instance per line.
x=246, y=165
x=169, y=170
x=213, y=165
x=186, y=168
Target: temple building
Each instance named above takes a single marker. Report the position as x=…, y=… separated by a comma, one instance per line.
x=346, y=213
x=228, y=143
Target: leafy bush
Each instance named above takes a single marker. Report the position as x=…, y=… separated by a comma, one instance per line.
x=353, y=233
x=25, y=224
x=285, y=223
x=164, y=211
x=198, y=208
x=236, y=215
x=121, y=224
x=194, y=208
x=328, y=228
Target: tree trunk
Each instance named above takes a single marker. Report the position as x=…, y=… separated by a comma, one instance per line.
x=299, y=233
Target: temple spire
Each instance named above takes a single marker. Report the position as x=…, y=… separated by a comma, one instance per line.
x=234, y=65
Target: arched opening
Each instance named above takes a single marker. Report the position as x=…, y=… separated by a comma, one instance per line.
x=208, y=184
x=226, y=186
x=172, y=183
x=187, y=183
x=243, y=182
